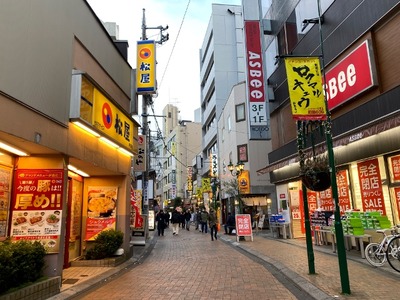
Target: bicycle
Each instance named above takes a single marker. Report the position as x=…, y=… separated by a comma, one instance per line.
x=377, y=253
x=393, y=252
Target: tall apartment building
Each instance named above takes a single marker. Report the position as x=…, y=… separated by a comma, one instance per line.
x=173, y=155
x=221, y=67
x=361, y=60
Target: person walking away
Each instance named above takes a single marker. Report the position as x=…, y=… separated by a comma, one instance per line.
x=212, y=222
x=175, y=220
x=230, y=224
x=160, y=219
x=198, y=220
x=188, y=216
x=182, y=217
x=204, y=220
x=166, y=218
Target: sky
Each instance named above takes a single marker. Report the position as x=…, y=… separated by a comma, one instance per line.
x=178, y=67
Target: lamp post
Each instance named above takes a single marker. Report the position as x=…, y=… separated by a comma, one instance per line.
x=237, y=171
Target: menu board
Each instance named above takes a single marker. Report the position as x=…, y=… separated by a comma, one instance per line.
x=37, y=207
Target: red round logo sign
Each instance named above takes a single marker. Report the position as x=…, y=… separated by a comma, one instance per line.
x=106, y=113
x=145, y=53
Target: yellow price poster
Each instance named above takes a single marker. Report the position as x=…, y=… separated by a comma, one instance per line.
x=305, y=88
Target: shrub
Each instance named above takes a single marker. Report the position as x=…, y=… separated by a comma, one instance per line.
x=20, y=263
x=105, y=244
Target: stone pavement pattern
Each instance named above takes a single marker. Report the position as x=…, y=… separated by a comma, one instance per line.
x=191, y=266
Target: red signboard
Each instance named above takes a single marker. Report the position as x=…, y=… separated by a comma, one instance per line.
x=350, y=77
x=243, y=225
x=395, y=167
x=325, y=197
x=312, y=200
x=397, y=195
x=371, y=186
x=37, y=207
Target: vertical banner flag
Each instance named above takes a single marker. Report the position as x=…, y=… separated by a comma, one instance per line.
x=214, y=165
x=146, y=67
x=258, y=104
x=140, y=158
x=305, y=88
x=190, y=179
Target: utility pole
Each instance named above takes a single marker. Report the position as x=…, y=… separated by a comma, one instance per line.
x=147, y=100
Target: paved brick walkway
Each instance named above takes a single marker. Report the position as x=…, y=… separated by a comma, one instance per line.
x=191, y=266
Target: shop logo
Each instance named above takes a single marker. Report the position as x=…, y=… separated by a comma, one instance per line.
x=145, y=53
x=106, y=113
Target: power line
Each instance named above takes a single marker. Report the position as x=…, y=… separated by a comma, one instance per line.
x=173, y=47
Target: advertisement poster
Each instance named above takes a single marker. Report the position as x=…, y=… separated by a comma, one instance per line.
x=243, y=225
x=395, y=160
x=325, y=197
x=371, y=186
x=37, y=207
x=397, y=196
x=101, y=210
x=5, y=193
x=136, y=213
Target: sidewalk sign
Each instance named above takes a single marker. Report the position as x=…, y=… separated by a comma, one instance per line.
x=243, y=226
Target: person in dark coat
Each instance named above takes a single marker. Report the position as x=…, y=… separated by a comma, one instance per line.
x=160, y=219
x=188, y=216
x=230, y=224
x=175, y=220
x=166, y=218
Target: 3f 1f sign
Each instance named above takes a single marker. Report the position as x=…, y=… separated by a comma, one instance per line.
x=258, y=109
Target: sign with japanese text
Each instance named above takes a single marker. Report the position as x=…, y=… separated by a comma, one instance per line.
x=371, y=186
x=244, y=182
x=242, y=153
x=312, y=200
x=190, y=178
x=111, y=121
x=395, y=162
x=173, y=191
x=243, y=225
x=140, y=158
x=325, y=197
x=146, y=67
x=206, y=185
x=351, y=76
x=397, y=196
x=101, y=210
x=214, y=165
x=258, y=102
x=37, y=207
x=136, y=209
x=305, y=88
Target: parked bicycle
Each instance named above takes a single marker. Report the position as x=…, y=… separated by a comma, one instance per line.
x=377, y=253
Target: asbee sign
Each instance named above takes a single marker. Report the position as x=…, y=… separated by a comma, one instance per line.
x=351, y=76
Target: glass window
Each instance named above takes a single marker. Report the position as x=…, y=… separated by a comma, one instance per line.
x=240, y=112
x=229, y=124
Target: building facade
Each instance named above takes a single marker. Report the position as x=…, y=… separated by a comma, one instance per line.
x=65, y=93
x=221, y=67
x=360, y=60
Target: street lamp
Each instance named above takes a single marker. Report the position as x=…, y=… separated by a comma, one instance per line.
x=237, y=171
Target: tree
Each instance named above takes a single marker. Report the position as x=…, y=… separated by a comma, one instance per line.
x=232, y=188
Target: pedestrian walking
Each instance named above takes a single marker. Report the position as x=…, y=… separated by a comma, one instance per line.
x=187, y=216
x=175, y=220
x=160, y=219
x=212, y=222
x=204, y=220
x=166, y=218
x=198, y=220
x=182, y=218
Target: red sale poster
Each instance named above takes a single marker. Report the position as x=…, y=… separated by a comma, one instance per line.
x=371, y=186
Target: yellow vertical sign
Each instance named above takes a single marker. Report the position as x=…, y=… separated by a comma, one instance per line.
x=146, y=67
x=305, y=88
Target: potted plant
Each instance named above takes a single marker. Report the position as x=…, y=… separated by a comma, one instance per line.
x=315, y=174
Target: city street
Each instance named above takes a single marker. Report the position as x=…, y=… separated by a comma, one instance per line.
x=191, y=266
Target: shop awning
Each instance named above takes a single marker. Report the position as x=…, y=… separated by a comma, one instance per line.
x=255, y=201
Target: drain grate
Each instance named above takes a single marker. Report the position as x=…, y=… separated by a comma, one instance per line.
x=70, y=281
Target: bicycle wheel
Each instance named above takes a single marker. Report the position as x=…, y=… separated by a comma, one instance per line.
x=393, y=253
x=374, y=255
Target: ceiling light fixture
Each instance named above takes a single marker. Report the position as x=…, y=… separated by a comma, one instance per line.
x=12, y=149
